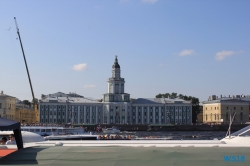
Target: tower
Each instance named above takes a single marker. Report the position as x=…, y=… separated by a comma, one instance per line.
x=116, y=86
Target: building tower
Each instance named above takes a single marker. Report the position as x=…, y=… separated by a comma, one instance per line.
x=116, y=86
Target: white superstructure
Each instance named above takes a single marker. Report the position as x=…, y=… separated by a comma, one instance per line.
x=49, y=130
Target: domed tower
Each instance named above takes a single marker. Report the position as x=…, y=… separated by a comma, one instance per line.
x=116, y=86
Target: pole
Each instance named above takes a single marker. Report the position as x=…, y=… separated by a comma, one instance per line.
x=26, y=68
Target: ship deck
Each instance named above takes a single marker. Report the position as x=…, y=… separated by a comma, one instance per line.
x=119, y=156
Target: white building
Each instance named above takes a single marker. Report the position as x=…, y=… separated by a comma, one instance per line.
x=116, y=107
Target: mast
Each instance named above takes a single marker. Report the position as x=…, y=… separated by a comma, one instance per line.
x=35, y=104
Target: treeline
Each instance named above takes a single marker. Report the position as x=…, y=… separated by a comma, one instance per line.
x=194, y=100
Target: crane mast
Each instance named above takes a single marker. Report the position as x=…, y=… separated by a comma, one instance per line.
x=34, y=101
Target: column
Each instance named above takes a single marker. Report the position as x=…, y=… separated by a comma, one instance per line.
x=159, y=117
x=66, y=113
x=147, y=114
x=126, y=113
x=96, y=115
x=84, y=114
x=108, y=114
x=153, y=114
x=78, y=114
x=90, y=114
x=142, y=115
x=72, y=114
x=136, y=114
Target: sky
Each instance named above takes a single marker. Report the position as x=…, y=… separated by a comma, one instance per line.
x=196, y=48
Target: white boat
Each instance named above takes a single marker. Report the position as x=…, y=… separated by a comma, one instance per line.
x=234, y=148
x=27, y=137
x=112, y=130
x=51, y=130
x=71, y=137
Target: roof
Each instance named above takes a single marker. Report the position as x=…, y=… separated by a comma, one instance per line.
x=159, y=101
x=68, y=99
x=6, y=96
x=7, y=124
x=226, y=100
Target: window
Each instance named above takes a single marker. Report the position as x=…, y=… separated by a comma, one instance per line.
x=206, y=108
x=214, y=116
x=214, y=108
x=241, y=115
x=234, y=108
x=206, y=117
x=241, y=108
x=227, y=116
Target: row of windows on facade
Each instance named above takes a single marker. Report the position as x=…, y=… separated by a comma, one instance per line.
x=69, y=108
x=93, y=107
x=63, y=121
x=227, y=116
x=172, y=113
x=162, y=108
x=10, y=106
x=180, y=121
x=241, y=108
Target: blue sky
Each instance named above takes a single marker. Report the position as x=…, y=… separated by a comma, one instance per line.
x=195, y=47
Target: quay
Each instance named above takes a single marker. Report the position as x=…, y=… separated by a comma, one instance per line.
x=163, y=127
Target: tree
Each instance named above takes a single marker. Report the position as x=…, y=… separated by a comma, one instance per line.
x=194, y=100
x=27, y=102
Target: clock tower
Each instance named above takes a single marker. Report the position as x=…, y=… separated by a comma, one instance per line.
x=116, y=86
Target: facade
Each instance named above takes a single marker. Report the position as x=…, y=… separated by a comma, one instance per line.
x=116, y=107
x=217, y=110
x=7, y=106
x=24, y=113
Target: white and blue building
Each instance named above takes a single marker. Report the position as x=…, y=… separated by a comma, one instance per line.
x=115, y=107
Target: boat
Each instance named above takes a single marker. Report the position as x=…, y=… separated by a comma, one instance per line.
x=71, y=137
x=112, y=130
x=234, y=148
x=52, y=130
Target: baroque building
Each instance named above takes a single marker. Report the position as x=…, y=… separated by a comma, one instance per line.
x=115, y=108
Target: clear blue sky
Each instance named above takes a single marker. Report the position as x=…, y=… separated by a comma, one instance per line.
x=193, y=47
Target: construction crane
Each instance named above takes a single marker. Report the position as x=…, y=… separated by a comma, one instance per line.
x=34, y=100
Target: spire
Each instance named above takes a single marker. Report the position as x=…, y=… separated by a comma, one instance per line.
x=116, y=64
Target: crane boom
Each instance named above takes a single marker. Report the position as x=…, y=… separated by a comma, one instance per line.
x=34, y=101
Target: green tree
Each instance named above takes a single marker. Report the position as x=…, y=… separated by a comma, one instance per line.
x=194, y=100
x=27, y=102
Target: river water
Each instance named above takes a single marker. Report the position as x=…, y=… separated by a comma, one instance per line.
x=179, y=135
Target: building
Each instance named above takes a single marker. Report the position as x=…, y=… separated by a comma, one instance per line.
x=24, y=114
x=115, y=108
x=217, y=110
x=7, y=106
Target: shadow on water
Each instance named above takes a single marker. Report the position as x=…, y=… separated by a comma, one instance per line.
x=184, y=135
x=26, y=156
